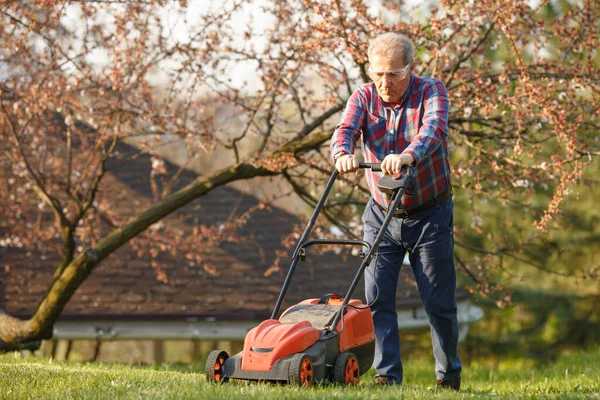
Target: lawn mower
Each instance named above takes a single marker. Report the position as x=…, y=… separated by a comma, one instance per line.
x=321, y=339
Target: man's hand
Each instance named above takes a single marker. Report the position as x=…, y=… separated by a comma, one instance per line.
x=346, y=163
x=392, y=163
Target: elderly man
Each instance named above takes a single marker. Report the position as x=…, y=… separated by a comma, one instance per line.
x=402, y=119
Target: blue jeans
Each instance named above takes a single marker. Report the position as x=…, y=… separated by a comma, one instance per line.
x=429, y=240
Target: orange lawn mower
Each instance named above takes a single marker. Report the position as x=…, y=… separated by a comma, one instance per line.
x=322, y=339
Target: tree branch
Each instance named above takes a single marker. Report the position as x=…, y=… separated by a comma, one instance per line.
x=466, y=56
x=37, y=185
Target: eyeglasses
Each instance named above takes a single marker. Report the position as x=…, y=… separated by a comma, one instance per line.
x=392, y=75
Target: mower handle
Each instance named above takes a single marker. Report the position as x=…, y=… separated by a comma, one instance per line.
x=304, y=238
x=374, y=166
x=377, y=167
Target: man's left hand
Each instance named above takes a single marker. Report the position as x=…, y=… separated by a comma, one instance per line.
x=392, y=163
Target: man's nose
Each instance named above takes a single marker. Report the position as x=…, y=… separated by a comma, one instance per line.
x=385, y=81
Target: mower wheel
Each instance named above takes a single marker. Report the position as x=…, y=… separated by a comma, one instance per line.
x=214, y=366
x=301, y=370
x=345, y=370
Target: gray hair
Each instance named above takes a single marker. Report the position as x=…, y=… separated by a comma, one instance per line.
x=393, y=45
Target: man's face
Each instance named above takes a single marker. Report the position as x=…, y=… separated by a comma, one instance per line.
x=391, y=77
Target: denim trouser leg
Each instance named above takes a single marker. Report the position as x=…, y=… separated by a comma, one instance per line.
x=428, y=238
x=381, y=280
x=431, y=248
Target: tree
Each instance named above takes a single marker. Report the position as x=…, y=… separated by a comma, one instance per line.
x=78, y=77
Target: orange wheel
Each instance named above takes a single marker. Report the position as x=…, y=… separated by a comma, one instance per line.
x=346, y=370
x=214, y=366
x=301, y=370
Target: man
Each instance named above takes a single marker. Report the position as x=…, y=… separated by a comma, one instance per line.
x=403, y=120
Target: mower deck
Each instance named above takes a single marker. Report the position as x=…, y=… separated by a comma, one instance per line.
x=322, y=356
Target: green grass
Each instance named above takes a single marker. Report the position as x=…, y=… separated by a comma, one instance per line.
x=574, y=376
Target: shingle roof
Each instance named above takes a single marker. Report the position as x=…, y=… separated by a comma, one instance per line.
x=126, y=286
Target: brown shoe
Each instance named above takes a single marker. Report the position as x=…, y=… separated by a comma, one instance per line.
x=452, y=384
x=386, y=380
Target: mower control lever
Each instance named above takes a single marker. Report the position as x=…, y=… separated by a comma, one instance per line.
x=389, y=185
x=301, y=252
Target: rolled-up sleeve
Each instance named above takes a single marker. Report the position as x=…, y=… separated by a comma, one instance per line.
x=435, y=122
x=349, y=129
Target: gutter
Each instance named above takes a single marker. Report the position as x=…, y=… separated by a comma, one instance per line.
x=221, y=326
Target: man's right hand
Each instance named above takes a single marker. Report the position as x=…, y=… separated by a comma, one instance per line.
x=346, y=163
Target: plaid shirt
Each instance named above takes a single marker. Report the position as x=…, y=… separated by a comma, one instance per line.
x=417, y=126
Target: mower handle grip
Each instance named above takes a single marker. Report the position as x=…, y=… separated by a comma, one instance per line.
x=377, y=167
x=374, y=166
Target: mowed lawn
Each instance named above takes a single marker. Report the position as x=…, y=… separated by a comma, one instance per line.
x=574, y=376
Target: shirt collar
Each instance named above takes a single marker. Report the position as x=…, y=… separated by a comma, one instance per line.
x=408, y=91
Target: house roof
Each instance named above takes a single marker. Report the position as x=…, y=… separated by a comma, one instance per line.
x=125, y=286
